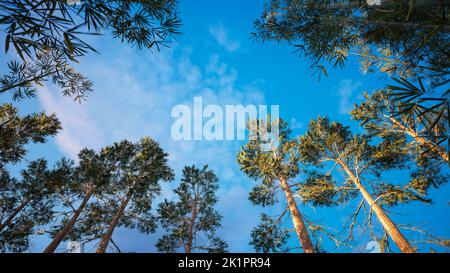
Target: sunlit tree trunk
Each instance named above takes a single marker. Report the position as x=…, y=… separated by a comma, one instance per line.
x=14, y=213
x=439, y=150
x=297, y=219
x=385, y=221
x=63, y=232
x=103, y=245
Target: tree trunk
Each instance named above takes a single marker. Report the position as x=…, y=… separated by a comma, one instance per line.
x=188, y=246
x=103, y=245
x=385, y=221
x=439, y=150
x=299, y=225
x=14, y=214
x=63, y=232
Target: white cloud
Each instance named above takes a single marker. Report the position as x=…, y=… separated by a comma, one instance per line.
x=345, y=91
x=133, y=97
x=220, y=33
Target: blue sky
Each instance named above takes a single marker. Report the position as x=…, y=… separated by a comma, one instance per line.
x=214, y=58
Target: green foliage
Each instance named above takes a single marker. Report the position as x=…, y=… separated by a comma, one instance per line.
x=122, y=172
x=263, y=194
x=138, y=167
x=321, y=190
x=135, y=175
x=273, y=163
x=192, y=221
x=405, y=40
x=392, y=195
x=16, y=132
x=91, y=224
x=398, y=38
x=279, y=161
x=48, y=37
x=92, y=173
x=269, y=236
x=15, y=239
x=321, y=139
x=404, y=137
x=428, y=172
x=23, y=77
x=28, y=203
x=332, y=142
x=427, y=107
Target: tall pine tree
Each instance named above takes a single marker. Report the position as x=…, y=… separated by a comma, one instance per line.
x=89, y=179
x=192, y=221
x=330, y=144
x=274, y=163
x=137, y=169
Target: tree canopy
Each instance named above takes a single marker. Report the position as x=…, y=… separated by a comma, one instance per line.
x=48, y=37
x=191, y=221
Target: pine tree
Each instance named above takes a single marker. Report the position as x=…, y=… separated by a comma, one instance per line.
x=274, y=162
x=332, y=143
x=137, y=170
x=269, y=236
x=426, y=130
x=29, y=202
x=92, y=222
x=400, y=37
x=89, y=179
x=192, y=221
x=25, y=202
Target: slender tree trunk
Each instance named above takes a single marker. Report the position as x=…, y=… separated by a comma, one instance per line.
x=299, y=225
x=14, y=214
x=439, y=150
x=188, y=245
x=385, y=221
x=63, y=232
x=103, y=245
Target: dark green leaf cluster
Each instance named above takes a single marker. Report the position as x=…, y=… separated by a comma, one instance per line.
x=16, y=132
x=321, y=190
x=127, y=169
x=331, y=142
x=29, y=203
x=409, y=38
x=392, y=195
x=404, y=139
x=48, y=37
x=192, y=221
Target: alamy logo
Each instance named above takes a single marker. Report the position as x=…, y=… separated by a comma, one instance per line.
x=373, y=247
x=235, y=122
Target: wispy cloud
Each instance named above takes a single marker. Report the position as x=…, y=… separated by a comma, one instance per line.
x=345, y=91
x=134, y=97
x=220, y=33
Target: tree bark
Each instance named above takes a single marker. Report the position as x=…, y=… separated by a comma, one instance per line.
x=299, y=225
x=103, y=245
x=188, y=245
x=439, y=150
x=63, y=232
x=14, y=214
x=385, y=221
